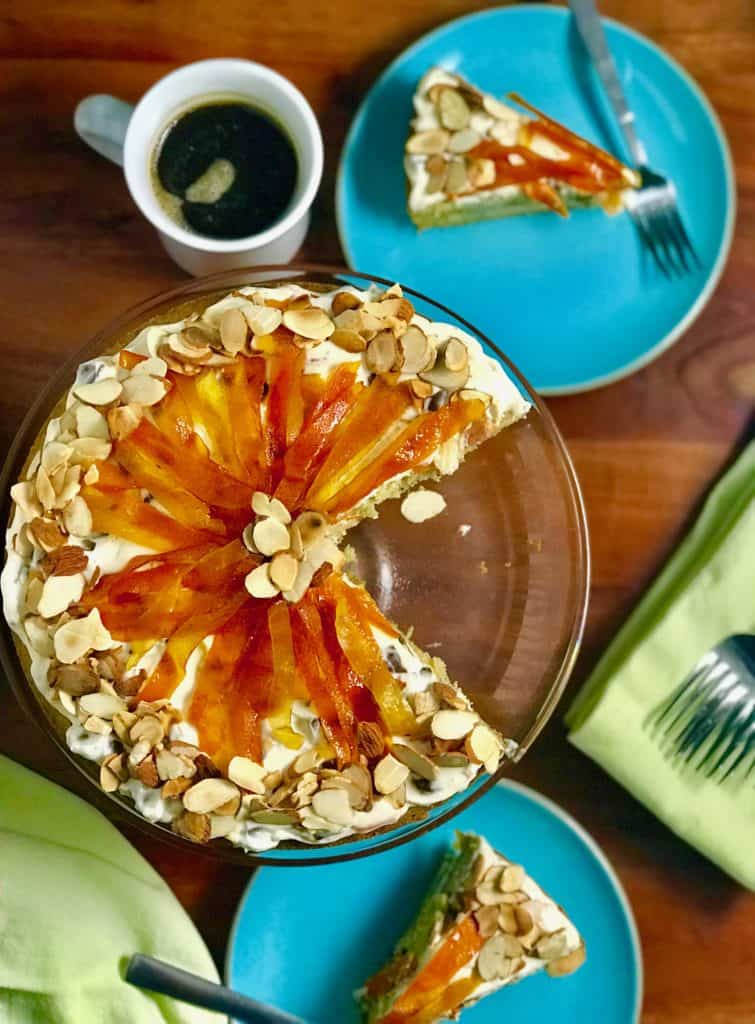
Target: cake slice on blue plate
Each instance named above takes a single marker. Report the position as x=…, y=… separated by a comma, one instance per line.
x=483, y=924
x=470, y=157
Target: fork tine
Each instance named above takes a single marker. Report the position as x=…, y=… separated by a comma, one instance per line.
x=682, y=233
x=686, y=687
x=726, y=734
x=703, y=720
x=641, y=224
x=670, y=227
x=747, y=748
x=660, y=225
x=691, y=694
x=733, y=735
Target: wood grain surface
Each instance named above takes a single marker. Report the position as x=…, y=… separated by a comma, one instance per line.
x=75, y=252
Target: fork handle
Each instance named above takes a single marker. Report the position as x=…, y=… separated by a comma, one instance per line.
x=591, y=30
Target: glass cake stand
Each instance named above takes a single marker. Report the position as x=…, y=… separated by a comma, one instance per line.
x=497, y=586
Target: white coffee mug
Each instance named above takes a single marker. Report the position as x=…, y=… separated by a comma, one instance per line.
x=128, y=136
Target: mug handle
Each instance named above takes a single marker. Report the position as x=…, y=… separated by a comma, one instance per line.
x=101, y=121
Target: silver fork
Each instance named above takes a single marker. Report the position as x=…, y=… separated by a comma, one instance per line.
x=653, y=207
x=708, y=721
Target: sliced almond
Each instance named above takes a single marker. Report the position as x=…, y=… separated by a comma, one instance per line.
x=483, y=747
x=381, y=353
x=418, y=351
x=370, y=739
x=66, y=560
x=359, y=320
x=233, y=330
x=283, y=570
x=259, y=584
x=247, y=537
x=174, y=788
x=270, y=536
x=310, y=527
x=279, y=511
x=344, y=300
x=492, y=961
x=75, y=680
x=453, y=725
x=554, y=946
x=146, y=772
x=421, y=389
x=441, y=377
x=434, y=141
x=170, y=766
x=46, y=534
x=507, y=919
x=221, y=826
x=196, y=827
x=58, y=592
x=333, y=805
x=455, y=355
x=389, y=774
x=313, y=324
x=109, y=780
x=189, y=345
x=567, y=964
x=78, y=636
x=263, y=320
x=456, y=176
x=449, y=694
x=91, y=449
x=140, y=389
x=148, y=728
x=208, y=795
x=513, y=878
x=101, y=392
x=420, y=505
x=92, y=475
x=261, y=503
x=101, y=704
x=123, y=420
x=487, y=921
x=25, y=496
x=154, y=366
x=452, y=760
x=453, y=111
x=91, y=423
x=247, y=774
x=348, y=340
x=45, y=490
x=416, y=762
x=41, y=639
x=77, y=518
x=56, y=454
x=481, y=172
x=464, y=141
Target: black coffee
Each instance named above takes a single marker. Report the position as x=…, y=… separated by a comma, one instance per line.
x=226, y=170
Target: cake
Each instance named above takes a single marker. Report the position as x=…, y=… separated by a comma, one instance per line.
x=484, y=924
x=177, y=577
x=470, y=157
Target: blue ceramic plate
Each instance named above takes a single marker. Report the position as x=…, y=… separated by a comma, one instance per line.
x=304, y=939
x=575, y=304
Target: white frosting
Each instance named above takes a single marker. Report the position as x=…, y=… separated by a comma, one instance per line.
x=112, y=554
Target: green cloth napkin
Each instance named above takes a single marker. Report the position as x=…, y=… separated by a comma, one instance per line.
x=705, y=593
x=75, y=897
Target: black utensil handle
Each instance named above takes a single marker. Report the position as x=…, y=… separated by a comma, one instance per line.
x=156, y=976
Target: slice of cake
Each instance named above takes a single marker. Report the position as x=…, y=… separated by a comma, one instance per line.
x=470, y=157
x=175, y=579
x=483, y=924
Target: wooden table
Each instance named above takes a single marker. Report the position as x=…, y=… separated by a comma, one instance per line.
x=75, y=252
